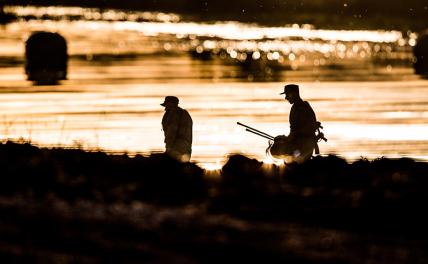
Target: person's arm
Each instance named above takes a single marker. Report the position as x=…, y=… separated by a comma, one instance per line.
x=294, y=122
x=171, y=129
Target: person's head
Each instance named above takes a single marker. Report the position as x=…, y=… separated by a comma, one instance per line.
x=291, y=92
x=170, y=102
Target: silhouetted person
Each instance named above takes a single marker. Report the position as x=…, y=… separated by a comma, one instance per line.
x=177, y=127
x=303, y=124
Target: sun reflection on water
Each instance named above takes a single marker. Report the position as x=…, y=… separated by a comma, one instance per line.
x=234, y=37
x=260, y=51
x=114, y=104
x=75, y=13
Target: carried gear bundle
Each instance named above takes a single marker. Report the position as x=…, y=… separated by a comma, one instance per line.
x=281, y=146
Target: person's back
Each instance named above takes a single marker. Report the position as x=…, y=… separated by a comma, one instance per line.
x=302, y=120
x=303, y=124
x=177, y=125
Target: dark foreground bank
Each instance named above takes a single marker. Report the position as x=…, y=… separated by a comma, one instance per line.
x=72, y=206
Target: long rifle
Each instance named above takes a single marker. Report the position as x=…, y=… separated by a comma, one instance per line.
x=256, y=132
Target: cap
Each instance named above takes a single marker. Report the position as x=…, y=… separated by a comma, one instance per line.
x=170, y=99
x=290, y=88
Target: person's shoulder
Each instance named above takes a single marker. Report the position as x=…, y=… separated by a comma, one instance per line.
x=300, y=103
x=181, y=110
x=184, y=112
x=306, y=104
x=188, y=114
x=302, y=106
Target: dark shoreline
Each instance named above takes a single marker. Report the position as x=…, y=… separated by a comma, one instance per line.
x=90, y=207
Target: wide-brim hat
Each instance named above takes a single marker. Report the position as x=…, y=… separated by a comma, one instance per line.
x=290, y=88
x=170, y=99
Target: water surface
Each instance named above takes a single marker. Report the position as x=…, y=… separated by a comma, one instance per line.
x=362, y=89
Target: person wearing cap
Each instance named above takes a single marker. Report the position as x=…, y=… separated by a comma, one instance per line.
x=303, y=125
x=177, y=127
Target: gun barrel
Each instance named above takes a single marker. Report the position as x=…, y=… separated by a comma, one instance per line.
x=258, y=134
x=255, y=131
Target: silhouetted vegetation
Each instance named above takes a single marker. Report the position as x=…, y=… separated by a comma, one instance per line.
x=70, y=205
x=420, y=52
x=380, y=195
x=46, y=57
x=5, y=18
x=76, y=174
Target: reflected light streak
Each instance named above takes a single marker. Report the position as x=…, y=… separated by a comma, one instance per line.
x=380, y=132
x=169, y=24
x=214, y=166
x=74, y=13
x=268, y=161
x=404, y=115
x=131, y=124
x=237, y=39
x=240, y=31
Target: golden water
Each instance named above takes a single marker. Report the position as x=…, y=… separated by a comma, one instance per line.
x=113, y=103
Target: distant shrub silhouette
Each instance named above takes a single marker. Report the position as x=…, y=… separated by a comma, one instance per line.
x=46, y=57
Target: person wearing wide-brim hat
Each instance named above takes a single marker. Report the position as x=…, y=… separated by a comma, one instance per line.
x=302, y=139
x=177, y=126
